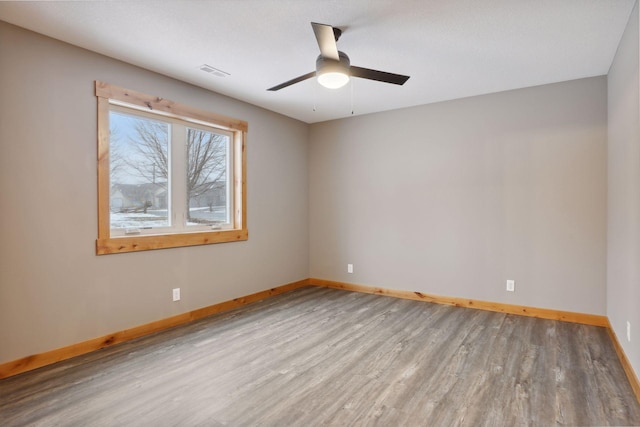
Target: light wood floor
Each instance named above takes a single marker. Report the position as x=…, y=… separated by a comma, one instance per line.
x=320, y=356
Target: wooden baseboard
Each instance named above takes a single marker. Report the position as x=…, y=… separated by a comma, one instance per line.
x=42, y=359
x=542, y=313
x=624, y=361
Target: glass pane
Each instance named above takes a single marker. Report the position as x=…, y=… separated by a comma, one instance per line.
x=139, y=170
x=207, y=159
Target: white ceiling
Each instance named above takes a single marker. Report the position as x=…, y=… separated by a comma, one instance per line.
x=450, y=48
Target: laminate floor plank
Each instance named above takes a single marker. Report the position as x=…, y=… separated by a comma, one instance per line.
x=318, y=356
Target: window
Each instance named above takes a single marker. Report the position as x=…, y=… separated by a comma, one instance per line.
x=169, y=175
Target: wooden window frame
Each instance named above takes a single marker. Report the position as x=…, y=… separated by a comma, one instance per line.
x=108, y=94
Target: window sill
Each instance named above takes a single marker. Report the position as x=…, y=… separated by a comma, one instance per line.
x=118, y=245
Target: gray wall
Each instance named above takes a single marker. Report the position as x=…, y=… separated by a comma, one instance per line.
x=54, y=290
x=456, y=197
x=623, y=249
x=450, y=198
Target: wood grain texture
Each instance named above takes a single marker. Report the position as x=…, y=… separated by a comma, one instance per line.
x=542, y=313
x=321, y=356
x=240, y=177
x=161, y=105
x=165, y=241
x=103, y=168
x=43, y=359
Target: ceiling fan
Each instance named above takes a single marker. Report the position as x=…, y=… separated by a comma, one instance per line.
x=333, y=67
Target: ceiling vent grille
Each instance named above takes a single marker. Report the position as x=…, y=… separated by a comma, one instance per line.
x=213, y=70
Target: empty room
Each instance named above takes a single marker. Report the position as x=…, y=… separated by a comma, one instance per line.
x=299, y=213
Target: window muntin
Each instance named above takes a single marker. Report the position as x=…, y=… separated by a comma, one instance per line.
x=180, y=169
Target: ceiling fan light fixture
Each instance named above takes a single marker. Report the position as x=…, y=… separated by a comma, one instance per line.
x=333, y=80
x=333, y=74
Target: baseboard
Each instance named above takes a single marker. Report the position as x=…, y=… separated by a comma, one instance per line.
x=624, y=361
x=42, y=359
x=541, y=313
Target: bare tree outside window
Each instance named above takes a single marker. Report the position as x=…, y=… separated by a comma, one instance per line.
x=150, y=143
x=206, y=175
x=139, y=151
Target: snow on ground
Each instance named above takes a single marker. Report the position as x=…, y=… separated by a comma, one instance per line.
x=158, y=217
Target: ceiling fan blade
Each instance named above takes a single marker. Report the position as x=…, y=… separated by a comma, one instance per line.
x=293, y=81
x=326, y=40
x=381, y=76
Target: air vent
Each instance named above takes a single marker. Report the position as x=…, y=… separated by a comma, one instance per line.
x=213, y=70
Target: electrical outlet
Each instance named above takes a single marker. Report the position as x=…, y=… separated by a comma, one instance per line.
x=349, y=268
x=628, y=331
x=176, y=294
x=511, y=285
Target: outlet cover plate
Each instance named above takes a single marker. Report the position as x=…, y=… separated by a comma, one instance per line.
x=511, y=285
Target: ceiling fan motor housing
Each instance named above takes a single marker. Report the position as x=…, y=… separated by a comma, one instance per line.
x=328, y=65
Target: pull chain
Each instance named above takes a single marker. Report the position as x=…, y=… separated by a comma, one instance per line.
x=352, y=97
x=315, y=95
